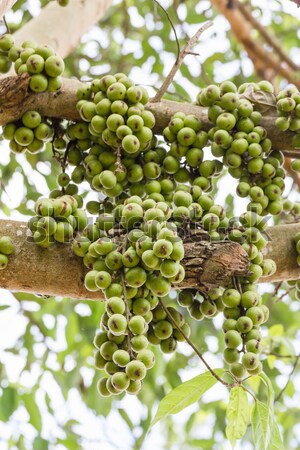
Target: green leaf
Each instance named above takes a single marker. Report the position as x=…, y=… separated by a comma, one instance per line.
x=276, y=440
x=237, y=414
x=72, y=329
x=8, y=403
x=276, y=330
x=33, y=411
x=126, y=417
x=262, y=425
x=266, y=434
x=271, y=361
x=40, y=443
x=3, y=307
x=270, y=390
x=185, y=394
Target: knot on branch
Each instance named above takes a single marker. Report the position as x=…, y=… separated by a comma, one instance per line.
x=14, y=90
x=211, y=264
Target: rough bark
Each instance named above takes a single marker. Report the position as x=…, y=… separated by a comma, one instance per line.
x=63, y=27
x=282, y=249
x=57, y=271
x=15, y=100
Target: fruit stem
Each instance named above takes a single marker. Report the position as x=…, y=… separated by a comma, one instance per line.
x=129, y=335
x=187, y=339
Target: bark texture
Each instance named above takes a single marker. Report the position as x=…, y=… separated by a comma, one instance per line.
x=15, y=100
x=57, y=271
x=282, y=249
x=62, y=27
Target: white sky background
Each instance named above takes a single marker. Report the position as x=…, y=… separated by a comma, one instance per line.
x=93, y=427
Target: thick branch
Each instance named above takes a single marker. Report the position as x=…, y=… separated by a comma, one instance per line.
x=57, y=271
x=62, y=28
x=62, y=104
x=269, y=38
x=282, y=249
x=262, y=59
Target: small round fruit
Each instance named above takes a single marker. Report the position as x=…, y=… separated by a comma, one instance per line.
x=136, y=370
x=102, y=389
x=137, y=325
x=120, y=381
x=233, y=339
x=3, y=261
x=134, y=387
x=147, y=357
x=6, y=245
x=163, y=329
x=103, y=279
x=121, y=358
x=231, y=355
x=250, y=360
x=238, y=370
x=117, y=324
x=54, y=66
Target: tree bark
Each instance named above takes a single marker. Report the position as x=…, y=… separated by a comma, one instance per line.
x=58, y=272
x=15, y=100
x=62, y=27
x=265, y=62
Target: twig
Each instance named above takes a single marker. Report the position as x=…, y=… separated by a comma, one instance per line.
x=278, y=355
x=287, y=292
x=129, y=335
x=127, y=312
x=187, y=339
x=247, y=390
x=6, y=25
x=237, y=284
x=277, y=288
x=185, y=51
x=28, y=314
x=291, y=154
x=180, y=22
x=289, y=378
x=271, y=40
x=172, y=25
x=64, y=162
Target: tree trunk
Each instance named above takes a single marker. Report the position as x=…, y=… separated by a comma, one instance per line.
x=15, y=100
x=57, y=271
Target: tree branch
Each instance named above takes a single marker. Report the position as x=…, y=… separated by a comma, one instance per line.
x=278, y=396
x=62, y=28
x=261, y=58
x=57, y=271
x=294, y=175
x=62, y=104
x=270, y=39
x=179, y=60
